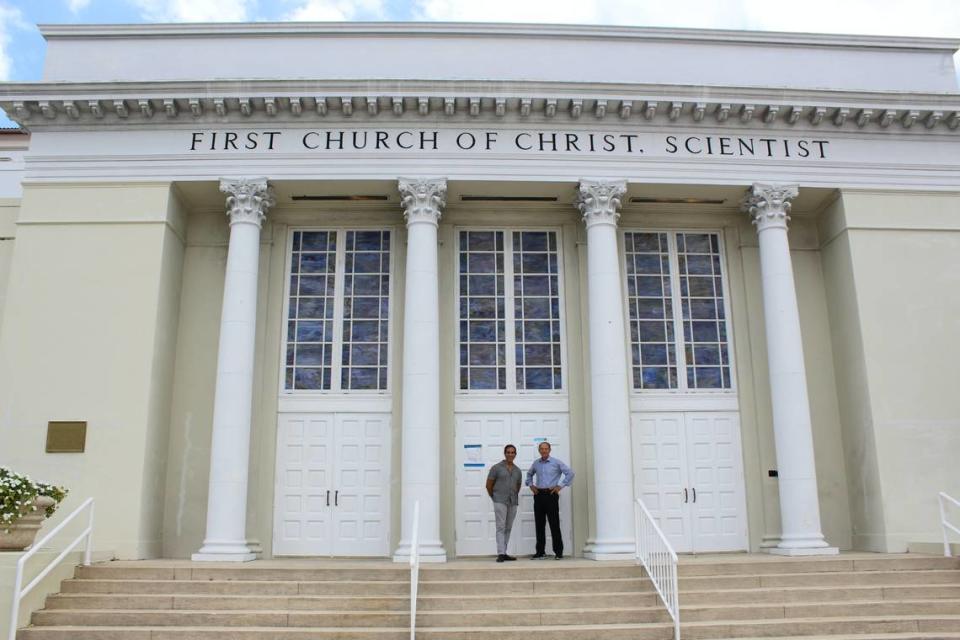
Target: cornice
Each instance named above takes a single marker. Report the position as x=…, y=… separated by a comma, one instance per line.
x=486, y=30
x=35, y=105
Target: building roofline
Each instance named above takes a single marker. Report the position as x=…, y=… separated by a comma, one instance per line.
x=460, y=29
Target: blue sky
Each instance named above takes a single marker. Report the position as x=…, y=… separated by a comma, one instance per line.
x=22, y=47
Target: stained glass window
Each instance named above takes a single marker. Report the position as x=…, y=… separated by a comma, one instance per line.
x=516, y=327
x=338, y=280
x=676, y=304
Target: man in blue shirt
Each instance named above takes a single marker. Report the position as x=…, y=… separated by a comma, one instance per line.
x=546, y=498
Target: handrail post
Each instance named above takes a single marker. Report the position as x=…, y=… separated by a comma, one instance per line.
x=943, y=525
x=88, y=550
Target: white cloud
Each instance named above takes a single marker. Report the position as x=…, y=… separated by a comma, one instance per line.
x=10, y=19
x=195, y=10
x=337, y=10
x=76, y=6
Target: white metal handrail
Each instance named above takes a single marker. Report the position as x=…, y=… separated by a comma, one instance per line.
x=943, y=499
x=654, y=552
x=414, y=568
x=18, y=592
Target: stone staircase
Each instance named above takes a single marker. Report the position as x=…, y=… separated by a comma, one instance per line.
x=722, y=596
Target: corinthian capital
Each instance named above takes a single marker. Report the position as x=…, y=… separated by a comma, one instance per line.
x=422, y=199
x=769, y=204
x=599, y=200
x=247, y=199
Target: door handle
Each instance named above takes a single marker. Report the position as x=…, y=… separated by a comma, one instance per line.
x=336, y=498
x=328, y=497
x=694, y=494
x=686, y=496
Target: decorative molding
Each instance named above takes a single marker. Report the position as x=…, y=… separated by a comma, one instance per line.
x=598, y=201
x=248, y=199
x=422, y=199
x=938, y=113
x=768, y=205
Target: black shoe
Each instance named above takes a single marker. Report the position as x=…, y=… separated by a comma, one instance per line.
x=501, y=558
x=538, y=556
x=508, y=558
x=559, y=556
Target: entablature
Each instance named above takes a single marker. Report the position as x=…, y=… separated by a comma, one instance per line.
x=128, y=104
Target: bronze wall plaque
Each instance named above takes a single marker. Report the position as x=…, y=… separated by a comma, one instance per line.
x=66, y=436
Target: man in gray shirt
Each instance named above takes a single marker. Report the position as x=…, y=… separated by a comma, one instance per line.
x=503, y=487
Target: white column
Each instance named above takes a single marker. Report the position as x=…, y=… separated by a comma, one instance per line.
x=769, y=208
x=599, y=202
x=422, y=200
x=226, y=540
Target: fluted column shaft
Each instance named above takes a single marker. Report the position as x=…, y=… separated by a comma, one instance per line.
x=247, y=204
x=769, y=208
x=423, y=201
x=599, y=202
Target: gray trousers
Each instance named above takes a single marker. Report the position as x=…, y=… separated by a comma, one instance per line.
x=505, y=513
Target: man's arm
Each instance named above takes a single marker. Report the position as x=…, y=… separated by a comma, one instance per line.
x=490, y=487
x=567, y=474
x=530, y=472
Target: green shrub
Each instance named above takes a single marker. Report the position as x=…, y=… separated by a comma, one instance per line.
x=17, y=493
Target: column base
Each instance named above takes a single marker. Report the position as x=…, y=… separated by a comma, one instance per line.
x=769, y=541
x=807, y=551
x=223, y=557
x=224, y=552
x=610, y=550
x=428, y=552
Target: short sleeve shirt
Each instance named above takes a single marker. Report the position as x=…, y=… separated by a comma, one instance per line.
x=505, y=483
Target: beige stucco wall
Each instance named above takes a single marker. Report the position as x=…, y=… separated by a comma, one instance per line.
x=9, y=210
x=892, y=280
x=94, y=284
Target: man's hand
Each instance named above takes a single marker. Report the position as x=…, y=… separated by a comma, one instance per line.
x=534, y=490
x=556, y=489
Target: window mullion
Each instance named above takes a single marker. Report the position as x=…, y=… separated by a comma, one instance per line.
x=510, y=342
x=676, y=297
x=336, y=357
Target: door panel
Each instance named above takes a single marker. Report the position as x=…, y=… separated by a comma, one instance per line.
x=660, y=472
x=302, y=521
x=480, y=439
x=689, y=472
x=718, y=511
x=333, y=481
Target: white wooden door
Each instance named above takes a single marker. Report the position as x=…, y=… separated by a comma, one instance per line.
x=660, y=472
x=304, y=485
x=717, y=506
x=689, y=472
x=480, y=439
x=333, y=480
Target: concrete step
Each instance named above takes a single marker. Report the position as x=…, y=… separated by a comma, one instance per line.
x=129, y=571
x=326, y=587
x=820, y=626
x=373, y=619
x=346, y=603
x=818, y=594
x=570, y=632
x=819, y=610
x=754, y=565
x=840, y=578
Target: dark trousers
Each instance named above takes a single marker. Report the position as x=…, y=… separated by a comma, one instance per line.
x=546, y=508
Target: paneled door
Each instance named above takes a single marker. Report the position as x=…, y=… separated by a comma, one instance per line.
x=480, y=439
x=332, y=485
x=688, y=471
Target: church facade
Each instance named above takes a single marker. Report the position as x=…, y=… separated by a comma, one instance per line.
x=295, y=279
